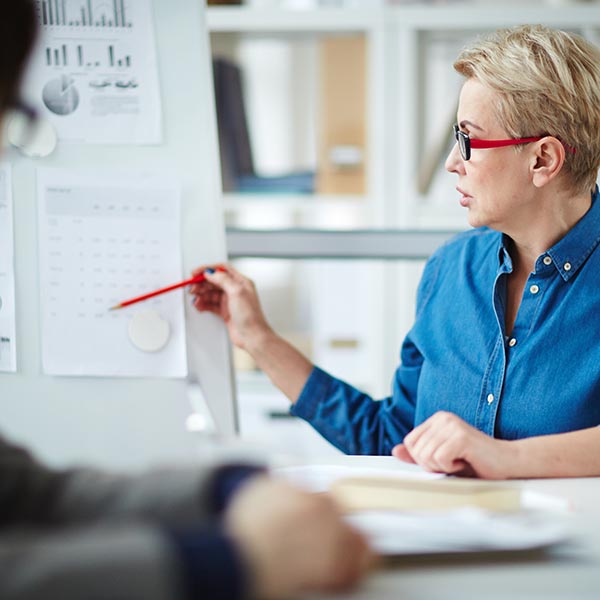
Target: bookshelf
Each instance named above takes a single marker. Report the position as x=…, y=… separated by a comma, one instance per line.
x=410, y=95
x=396, y=38
x=235, y=29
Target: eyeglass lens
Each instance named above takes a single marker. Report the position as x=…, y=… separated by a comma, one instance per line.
x=463, y=143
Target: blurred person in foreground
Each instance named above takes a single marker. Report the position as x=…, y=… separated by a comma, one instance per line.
x=215, y=532
x=500, y=375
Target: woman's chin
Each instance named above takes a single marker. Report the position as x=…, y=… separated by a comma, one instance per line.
x=473, y=220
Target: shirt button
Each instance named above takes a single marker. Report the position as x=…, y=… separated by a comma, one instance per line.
x=512, y=342
x=567, y=266
x=534, y=289
x=547, y=260
x=490, y=398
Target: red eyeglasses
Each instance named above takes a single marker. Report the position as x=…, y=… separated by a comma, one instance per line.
x=465, y=143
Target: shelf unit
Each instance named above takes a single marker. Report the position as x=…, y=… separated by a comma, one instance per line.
x=399, y=44
x=285, y=24
x=395, y=39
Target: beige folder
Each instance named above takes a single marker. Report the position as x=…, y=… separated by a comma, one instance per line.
x=389, y=493
x=342, y=114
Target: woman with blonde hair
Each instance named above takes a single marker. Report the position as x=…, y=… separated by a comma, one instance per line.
x=500, y=374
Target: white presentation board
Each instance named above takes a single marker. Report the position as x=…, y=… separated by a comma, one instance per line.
x=112, y=419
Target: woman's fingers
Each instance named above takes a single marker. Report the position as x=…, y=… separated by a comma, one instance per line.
x=207, y=301
x=447, y=457
x=418, y=436
x=401, y=453
x=438, y=444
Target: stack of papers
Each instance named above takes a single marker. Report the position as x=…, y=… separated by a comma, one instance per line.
x=439, y=523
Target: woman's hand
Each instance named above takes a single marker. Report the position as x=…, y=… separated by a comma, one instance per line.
x=231, y=296
x=444, y=443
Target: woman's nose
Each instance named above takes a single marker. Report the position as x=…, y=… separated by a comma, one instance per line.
x=454, y=162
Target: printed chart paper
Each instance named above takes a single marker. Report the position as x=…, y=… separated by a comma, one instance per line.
x=105, y=239
x=8, y=353
x=94, y=73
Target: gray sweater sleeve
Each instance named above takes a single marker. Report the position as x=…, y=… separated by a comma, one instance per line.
x=95, y=563
x=31, y=493
x=85, y=534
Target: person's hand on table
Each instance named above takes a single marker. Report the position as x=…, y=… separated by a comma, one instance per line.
x=231, y=296
x=294, y=541
x=444, y=443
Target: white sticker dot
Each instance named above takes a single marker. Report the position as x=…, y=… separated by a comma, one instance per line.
x=148, y=331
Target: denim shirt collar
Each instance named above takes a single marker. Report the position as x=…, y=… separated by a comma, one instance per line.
x=570, y=252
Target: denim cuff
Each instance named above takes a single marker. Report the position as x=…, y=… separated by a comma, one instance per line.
x=315, y=390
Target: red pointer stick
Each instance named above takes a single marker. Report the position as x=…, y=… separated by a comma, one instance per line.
x=190, y=281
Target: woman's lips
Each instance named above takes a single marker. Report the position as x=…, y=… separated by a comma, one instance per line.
x=465, y=198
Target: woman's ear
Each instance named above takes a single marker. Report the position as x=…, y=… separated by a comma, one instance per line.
x=547, y=160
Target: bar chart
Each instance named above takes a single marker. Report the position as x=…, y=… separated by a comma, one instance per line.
x=94, y=71
x=78, y=55
x=116, y=61
x=84, y=13
x=57, y=56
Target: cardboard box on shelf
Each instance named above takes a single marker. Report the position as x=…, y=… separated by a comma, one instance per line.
x=342, y=116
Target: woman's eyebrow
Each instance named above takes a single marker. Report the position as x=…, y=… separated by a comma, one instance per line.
x=470, y=125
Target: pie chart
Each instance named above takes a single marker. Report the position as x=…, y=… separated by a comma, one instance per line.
x=61, y=96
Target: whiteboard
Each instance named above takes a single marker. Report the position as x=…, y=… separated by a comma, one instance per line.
x=131, y=422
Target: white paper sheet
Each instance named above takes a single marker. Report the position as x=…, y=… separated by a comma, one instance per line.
x=318, y=478
x=464, y=530
x=94, y=72
x=8, y=351
x=104, y=239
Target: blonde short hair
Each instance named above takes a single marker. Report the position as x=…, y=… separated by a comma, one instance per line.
x=548, y=83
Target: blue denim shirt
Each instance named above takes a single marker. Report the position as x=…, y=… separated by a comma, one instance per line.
x=543, y=379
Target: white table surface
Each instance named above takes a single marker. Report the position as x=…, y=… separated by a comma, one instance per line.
x=566, y=571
